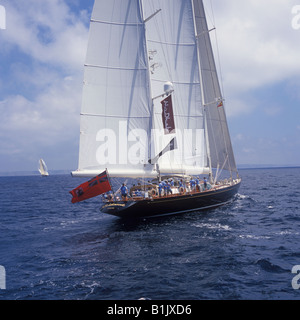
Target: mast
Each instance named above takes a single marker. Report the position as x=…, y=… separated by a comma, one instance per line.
x=151, y=104
x=171, y=39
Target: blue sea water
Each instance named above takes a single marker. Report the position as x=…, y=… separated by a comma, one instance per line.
x=52, y=249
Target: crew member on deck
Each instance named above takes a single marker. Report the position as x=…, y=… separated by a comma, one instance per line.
x=164, y=184
x=169, y=190
x=192, y=184
x=181, y=186
x=172, y=182
x=124, y=192
x=205, y=183
x=160, y=187
x=197, y=184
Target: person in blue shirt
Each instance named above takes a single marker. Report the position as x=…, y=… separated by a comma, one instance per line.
x=160, y=187
x=181, y=186
x=168, y=188
x=180, y=183
x=192, y=184
x=205, y=183
x=172, y=182
x=165, y=187
x=197, y=184
x=124, y=192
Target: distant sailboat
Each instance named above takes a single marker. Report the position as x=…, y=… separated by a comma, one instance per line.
x=43, y=168
x=153, y=109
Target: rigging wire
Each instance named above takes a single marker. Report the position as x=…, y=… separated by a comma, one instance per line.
x=213, y=21
x=221, y=82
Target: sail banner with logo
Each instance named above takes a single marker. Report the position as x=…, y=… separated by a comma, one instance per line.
x=167, y=115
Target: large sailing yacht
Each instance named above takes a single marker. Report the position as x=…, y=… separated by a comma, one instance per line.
x=153, y=112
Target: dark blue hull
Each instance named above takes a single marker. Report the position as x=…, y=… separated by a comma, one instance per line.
x=172, y=204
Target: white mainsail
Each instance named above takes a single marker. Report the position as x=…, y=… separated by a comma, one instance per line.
x=135, y=48
x=43, y=168
x=171, y=39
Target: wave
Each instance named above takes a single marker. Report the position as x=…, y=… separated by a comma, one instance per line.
x=216, y=226
x=254, y=237
x=268, y=266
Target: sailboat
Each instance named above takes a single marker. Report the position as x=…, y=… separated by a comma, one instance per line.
x=43, y=168
x=153, y=111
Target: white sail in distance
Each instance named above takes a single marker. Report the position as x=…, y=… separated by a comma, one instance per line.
x=135, y=47
x=43, y=168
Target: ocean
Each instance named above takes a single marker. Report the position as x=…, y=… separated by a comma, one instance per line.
x=51, y=249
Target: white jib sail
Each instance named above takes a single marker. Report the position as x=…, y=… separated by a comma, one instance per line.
x=220, y=148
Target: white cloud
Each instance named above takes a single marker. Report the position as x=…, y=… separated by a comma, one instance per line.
x=51, y=116
x=257, y=46
x=47, y=31
x=43, y=49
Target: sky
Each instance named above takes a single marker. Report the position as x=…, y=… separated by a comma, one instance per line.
x=42, y=53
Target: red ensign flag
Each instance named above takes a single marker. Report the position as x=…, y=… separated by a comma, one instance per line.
x=91, y=188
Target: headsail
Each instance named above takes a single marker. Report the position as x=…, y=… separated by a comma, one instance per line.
x=116, y=106
x=221, y=152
